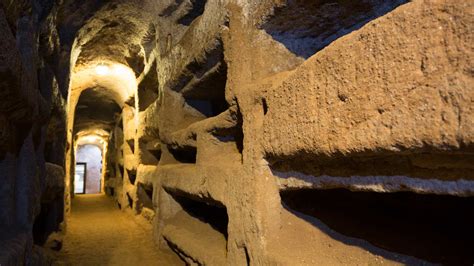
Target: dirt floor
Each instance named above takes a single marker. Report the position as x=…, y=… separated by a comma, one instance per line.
x=99, y=233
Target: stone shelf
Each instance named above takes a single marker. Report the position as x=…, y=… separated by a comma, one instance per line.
x=187, y=136
x=195, y=240
x=198, y=86
x=207, y=183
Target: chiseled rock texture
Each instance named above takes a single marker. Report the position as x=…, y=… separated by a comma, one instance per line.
x=33, y=130
x=374, y=96
x=272, y=132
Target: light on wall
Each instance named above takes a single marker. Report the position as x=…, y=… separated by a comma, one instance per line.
x=102, y=70
x=121, y=70
x=91, y=139
x=114, y=69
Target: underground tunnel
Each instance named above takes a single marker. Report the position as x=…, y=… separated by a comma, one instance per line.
x=204, y=132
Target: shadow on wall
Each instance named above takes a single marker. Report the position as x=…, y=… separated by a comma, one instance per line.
x=436, y=228
x=317, y=23
x=92, y=156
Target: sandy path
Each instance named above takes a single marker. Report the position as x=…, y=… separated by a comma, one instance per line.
x=100, y=234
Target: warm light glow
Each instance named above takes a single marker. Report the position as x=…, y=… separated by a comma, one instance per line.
x=102, y=70
x=91, y=139
x=116, y=69
x=116, y=78
x=121, y=70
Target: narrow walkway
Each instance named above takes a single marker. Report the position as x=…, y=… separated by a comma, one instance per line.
x=99, y=233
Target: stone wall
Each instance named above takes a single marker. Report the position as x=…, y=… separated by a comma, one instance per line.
x=33, y=131
x=246, y=123
x=247, y=132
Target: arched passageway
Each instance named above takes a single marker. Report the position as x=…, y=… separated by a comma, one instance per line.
x=236, y=132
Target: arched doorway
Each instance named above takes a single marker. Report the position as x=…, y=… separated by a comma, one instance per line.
x=88, y=172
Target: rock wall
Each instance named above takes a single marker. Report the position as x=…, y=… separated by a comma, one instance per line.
x=251, y=112
x=247, y=132
x=33, y=130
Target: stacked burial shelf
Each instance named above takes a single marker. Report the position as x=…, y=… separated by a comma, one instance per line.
x=196, y=228
x=149, y=146
x=119, y=164
x=203, y=90
x=416, y=204
x=198, y=232
x=434, y=228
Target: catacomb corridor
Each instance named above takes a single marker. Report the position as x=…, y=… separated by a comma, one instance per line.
x=236, y=132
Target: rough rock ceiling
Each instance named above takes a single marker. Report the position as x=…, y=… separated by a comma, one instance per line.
x=95, y=110
x=106, y=30
x=102, y=31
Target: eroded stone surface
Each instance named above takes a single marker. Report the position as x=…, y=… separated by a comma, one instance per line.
x=209, y=111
